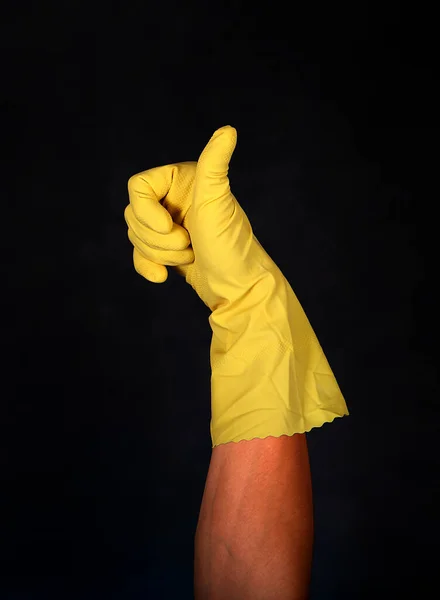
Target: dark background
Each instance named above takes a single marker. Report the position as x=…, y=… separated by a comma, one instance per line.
x=105, y=409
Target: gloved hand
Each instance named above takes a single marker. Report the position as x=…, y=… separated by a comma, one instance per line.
x=269, y=373
x=224, y=258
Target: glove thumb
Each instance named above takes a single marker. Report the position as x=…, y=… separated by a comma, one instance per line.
x=211, y=180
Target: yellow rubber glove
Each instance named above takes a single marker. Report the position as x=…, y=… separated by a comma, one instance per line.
x=270, y=376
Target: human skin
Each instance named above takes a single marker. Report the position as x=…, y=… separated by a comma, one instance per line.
x=254, y=538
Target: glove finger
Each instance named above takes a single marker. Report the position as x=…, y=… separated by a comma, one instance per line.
x=212, y=182
x=161, y=257
x=177, y=239
x=148, y=269
x=145, y=191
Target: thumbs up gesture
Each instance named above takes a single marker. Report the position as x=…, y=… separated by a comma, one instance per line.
x=185, y=216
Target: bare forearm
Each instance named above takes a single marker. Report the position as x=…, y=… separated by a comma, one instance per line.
x=255, y=533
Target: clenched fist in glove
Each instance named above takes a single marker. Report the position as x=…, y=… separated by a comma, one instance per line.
x=269, y=373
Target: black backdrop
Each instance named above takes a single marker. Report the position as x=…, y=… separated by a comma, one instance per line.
x=105, y=407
